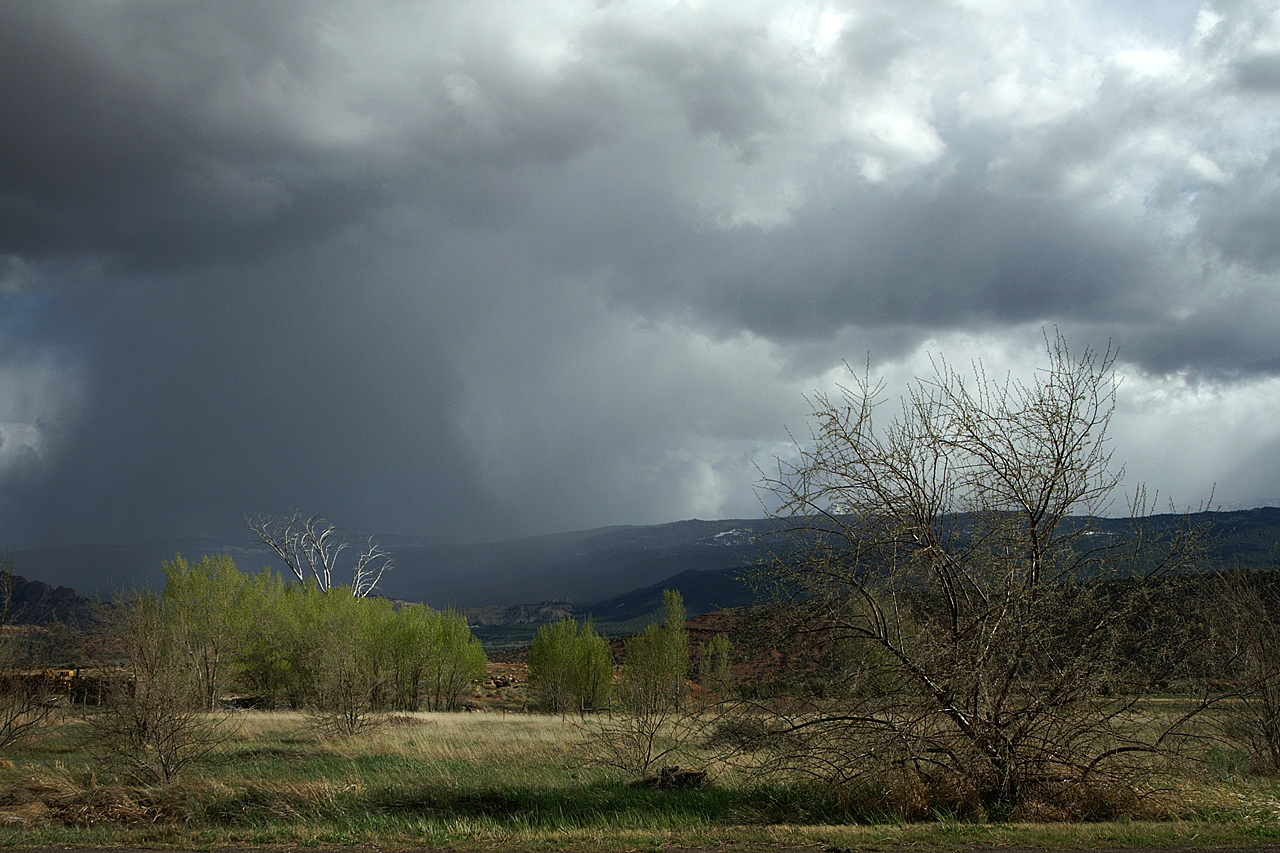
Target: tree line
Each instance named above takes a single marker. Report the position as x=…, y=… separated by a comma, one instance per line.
x=295, y=645
x=213, y=632
x=571, y=666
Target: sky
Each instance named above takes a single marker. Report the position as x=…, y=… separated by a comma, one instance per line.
x=489, y=269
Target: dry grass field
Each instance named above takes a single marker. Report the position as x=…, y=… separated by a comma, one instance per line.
x=522, y=781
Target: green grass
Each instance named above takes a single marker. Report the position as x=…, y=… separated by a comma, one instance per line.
x=489, y=781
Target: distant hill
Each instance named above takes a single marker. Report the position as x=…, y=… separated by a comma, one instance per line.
x=100, y=571
x=580, y=566
x=518, y=614
x=37, y=603
x=506, y=628
x=612, y=572
x=1249, y=538
x=703, y=592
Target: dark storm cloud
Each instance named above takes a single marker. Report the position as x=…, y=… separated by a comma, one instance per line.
x=1229, y=341
x=210, y=400
x=474, y=270
x=1243, y=219
x=177, y=136
x=950, y=258
x=126, y=138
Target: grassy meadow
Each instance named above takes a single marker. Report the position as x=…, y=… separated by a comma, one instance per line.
x=525, y=781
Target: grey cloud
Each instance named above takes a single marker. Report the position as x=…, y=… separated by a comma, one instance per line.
x=872, y=43
x=939, y=260
x=719, y=81
x=213, y=398
x=1230, y=339
x=157, y=139
x=392, y=273
x=1246, y=37
x=935, y=257
x=1257, y=480
x=1242, y=219
x=1259, y=72
x=112, y=145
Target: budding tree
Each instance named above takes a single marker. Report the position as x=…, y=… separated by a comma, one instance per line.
x=154, y=724
x=571, y=667
x=955, y=558
x=205, y=604
x=657, y=722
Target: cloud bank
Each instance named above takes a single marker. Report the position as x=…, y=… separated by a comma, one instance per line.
x=480, y=270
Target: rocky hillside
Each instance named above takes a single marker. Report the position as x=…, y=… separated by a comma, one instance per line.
x=37, y=603
x=518, y=614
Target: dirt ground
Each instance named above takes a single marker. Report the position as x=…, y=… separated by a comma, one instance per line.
x=505, y=688
x=968, y=848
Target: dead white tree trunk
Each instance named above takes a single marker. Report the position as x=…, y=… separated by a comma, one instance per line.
x=310, y=547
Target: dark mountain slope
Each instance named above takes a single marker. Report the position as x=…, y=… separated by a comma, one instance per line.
x=703, y=592
x=37, y=603
x=583, y=566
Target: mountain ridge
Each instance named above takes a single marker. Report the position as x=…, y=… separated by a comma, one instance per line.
x=577, y=566
x=616, y=569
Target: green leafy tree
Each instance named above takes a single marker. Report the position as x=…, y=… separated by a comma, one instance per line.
x=458, y=661
x=411, y=636
x=205, y=604
x=272, y=641
x=551, y=665
x=714, y=665
x=570, y=667
x=342, y=679
x=343, y=658
x=657, y=661
x=593, y=660
x=653, y=688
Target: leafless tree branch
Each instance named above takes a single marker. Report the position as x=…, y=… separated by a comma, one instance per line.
x=310, y=548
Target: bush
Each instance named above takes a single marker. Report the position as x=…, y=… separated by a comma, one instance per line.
x=153, y=725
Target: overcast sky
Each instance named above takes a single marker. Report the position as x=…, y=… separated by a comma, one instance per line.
x=477, y=270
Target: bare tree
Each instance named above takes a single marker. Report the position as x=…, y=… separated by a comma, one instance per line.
x=954, y=560
x=310, y=548
x=641, y=741
x=24, y=694
x=154, y=724
x=657, y=721
x=1244, y=614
